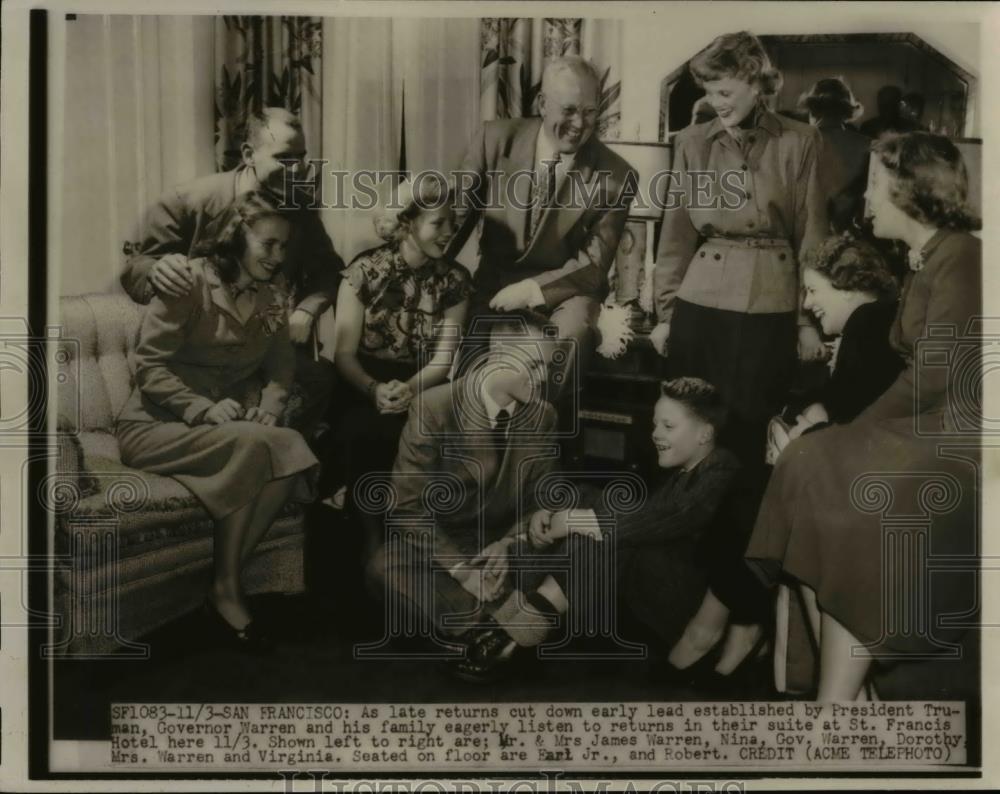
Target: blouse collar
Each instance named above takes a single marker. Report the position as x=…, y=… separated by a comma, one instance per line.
x=918, y=256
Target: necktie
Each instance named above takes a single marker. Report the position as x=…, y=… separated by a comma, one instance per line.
x=544, y=190
x=500, y=432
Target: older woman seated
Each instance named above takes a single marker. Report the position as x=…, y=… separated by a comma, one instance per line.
x=197, y=412
x=821, y=523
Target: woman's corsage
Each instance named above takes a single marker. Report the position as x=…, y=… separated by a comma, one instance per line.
x=916, y=257
x=275, y=314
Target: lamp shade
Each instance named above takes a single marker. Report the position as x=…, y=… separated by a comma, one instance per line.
x=649, y=159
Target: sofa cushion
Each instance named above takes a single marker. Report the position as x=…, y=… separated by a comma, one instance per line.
x=71, y=467
x=98, y=334
x=150, y=511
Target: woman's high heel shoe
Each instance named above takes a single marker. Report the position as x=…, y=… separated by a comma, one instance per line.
x=687, y=677
x=250, y=639
x=719, y=683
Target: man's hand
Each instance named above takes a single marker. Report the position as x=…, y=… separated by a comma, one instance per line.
x=471, y=580
x=226, y=410
x=520, y=295
x=260, y=416
x=495, y=566
x=538, y=527
x=300, y=324
x=811, y=416
x=659, y=336
x=393, y=397
x=811, y=347
x=171, y=276
x=548, y=533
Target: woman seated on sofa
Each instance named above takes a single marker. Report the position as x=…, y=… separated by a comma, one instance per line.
x=851, y=292
x=198, y=413
x=400, y=311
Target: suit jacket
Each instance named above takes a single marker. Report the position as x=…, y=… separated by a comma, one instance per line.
x=446, y=446
x=575, y=243
x=186, y=219
x=680, y=509
x=783, y=200
x=194, y=351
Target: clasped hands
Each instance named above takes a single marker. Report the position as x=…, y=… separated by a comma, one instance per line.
x=392, y=397
x=484, y=576
x=229, y=410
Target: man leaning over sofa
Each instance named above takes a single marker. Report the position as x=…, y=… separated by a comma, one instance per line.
x=175, y=227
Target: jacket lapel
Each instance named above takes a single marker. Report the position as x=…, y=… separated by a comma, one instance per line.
x=556, y=222
x=221, y=296
x=520, y=158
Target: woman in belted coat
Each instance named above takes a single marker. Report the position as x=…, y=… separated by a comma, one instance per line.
x=198, y=413
x=726, y=281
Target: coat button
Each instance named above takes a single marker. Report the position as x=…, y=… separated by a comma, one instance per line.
x=703, y=254
x=782, y=257
x=751, y=138
x=749, y=195
x=750, y=224
x=744, y=166
x=718, y=256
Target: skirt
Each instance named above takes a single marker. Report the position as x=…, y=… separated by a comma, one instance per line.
x=364, y=441
x=881, y=524
x=749, y=358
x=225, y=466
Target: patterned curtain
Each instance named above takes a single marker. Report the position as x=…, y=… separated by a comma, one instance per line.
x=514, y=52
x=265, y=62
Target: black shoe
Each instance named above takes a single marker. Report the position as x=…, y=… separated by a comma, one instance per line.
x=490, y=655
x=250, y=639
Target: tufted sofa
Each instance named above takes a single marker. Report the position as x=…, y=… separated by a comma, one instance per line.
x=134, y=550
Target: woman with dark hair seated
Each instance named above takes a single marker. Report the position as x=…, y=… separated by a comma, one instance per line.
x=400, y=311
x=827, y=516
x=843, y=160
x=852, y=294
x=198, y=412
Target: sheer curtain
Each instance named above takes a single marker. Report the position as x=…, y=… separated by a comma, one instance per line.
x=362, y=107
x=262, y=62
x=397, y=93
x=513, y=55
x=137, y=118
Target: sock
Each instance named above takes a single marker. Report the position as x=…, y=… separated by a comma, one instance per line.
x=526, y=624
x=541, y=604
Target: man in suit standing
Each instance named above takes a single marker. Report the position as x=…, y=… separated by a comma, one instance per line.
x=465, y=483
x=177, y=226
x=553, y=201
